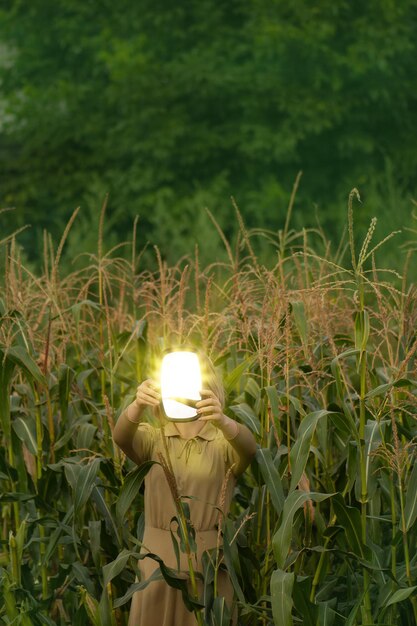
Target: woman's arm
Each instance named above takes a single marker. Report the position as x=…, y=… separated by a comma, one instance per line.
x=238, y=436
x=127, y=435
x=243, y=442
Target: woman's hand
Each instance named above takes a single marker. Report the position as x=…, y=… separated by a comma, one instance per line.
x=147, y=394
x=209, y=409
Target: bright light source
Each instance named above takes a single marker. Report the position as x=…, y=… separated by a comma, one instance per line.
x=180, y=380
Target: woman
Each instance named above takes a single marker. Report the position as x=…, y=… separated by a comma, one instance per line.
x=203, y=455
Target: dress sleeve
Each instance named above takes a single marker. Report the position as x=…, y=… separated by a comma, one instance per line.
x=143, y=443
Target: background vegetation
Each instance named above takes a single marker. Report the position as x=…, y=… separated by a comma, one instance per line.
x=172, y=107
x=318, y=355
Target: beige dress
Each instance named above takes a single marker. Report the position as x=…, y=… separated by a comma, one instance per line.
x=200, y=466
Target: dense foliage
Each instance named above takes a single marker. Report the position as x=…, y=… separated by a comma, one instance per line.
x=318, y=356
x=172, y=107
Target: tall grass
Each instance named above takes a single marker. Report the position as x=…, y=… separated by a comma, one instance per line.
x=318, y=354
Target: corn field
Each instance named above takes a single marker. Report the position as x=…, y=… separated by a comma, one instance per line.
x=318, y=357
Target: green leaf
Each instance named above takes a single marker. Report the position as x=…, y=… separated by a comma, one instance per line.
x=15, y=496
x=361, y=330
x=383, y=389
x=301, y=598
x=277, y=398
x=25, y=429
x=91, y=606
x=85, y=479
x=373, y=436
x=21, y=357
x=400, y=595
x=410, y=509
x=113, y=569
x=281, y=596
x=350, y=519
x=271, y=477
x=109, y=519
x=94, y=534
x=301, y=449
x=231, y=559
x=252, y=388
x=248, y=417
x=282, y=538
x=220, y=612
x=233, y=378
x=137, y=586
x=336, y=371
x=351, y=620
x=56, y=535
x=298, y=311
x=66, y=377
x=130, y=490
x=326, y=614
x=85, y=436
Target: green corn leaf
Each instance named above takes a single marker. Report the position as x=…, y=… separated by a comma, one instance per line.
x=82, y=479
x=130, y=490
x=351, y=619
x=233, y=378
x=374, y=431
x=301, y=449
x=109, y=519
x=281, y=596
x=15, y=496
x=12, y=611
x=91, y=606
x=248, y=417
x=362, y=329
x=277, y=398
x=301, y=598
x=400, y=595
x=231, y=558
x=382, y=390
x=85, y=436
x=21, y=357
x=25, y=429
x=105, y=610
x=282, y=538
x=326, y=614
x=113, y=569
x=56, y=535
x=82, y=575
x=298, y=311
x=344, y=424
x=350, y=519
x=94, y=534
x=335, y=369
x=138, y=586
x=252, y=388
x=271, y=477
x=410, y=510
x=273, y=398
x=7, y=368
x=220, y=612
x=66, y=377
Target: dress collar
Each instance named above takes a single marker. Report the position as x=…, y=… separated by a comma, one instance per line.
x=208, y=432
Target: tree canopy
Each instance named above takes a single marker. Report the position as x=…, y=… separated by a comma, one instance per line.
x=174, y=107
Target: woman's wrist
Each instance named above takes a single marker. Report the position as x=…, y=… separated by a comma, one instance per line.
x=230, y=429
x=134, y=412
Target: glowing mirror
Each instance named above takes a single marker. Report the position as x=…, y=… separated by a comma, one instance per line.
x=180, y=385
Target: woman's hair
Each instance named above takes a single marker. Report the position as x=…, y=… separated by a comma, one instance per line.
x=211, y=377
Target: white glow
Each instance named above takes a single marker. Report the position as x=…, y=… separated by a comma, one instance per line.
x=180, y=378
